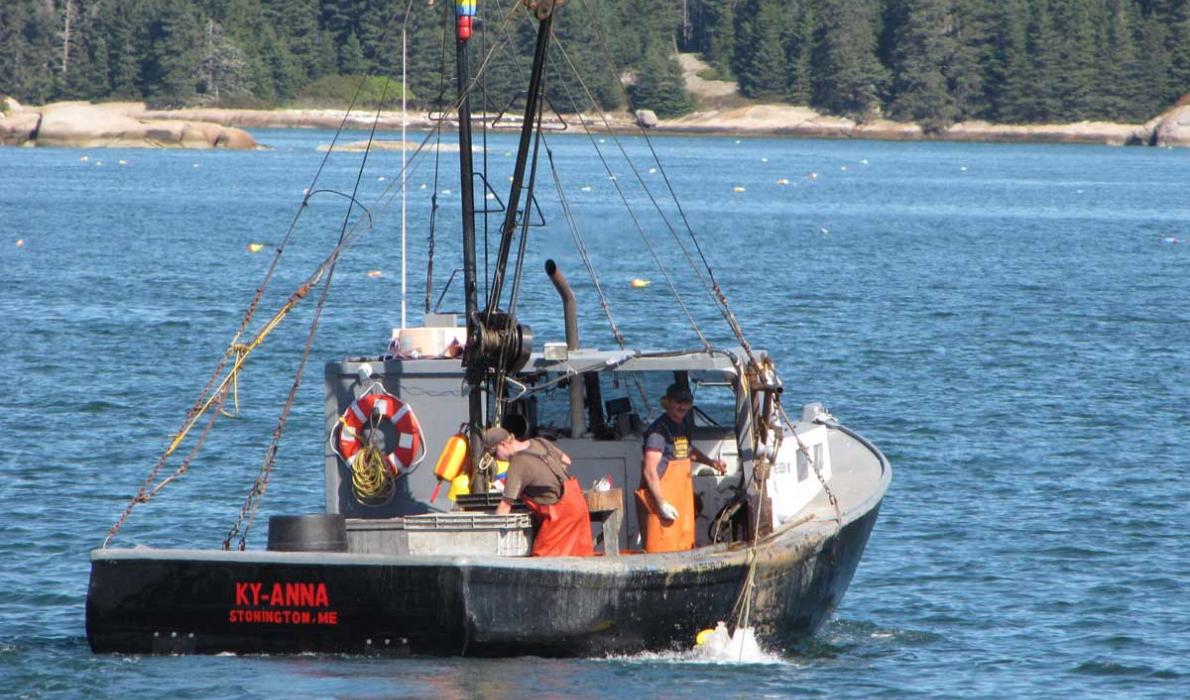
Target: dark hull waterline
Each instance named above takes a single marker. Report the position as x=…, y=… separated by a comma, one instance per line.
x=191, y=601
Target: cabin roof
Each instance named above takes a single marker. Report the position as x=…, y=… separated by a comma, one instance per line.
x=583, y=360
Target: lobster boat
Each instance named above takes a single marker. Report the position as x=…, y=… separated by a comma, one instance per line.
x=408, y=553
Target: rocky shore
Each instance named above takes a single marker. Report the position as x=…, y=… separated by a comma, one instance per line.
x=75, y=124
x=111, y=125
x=1169, y=129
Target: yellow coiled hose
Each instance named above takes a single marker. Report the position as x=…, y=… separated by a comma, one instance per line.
x=369, y=478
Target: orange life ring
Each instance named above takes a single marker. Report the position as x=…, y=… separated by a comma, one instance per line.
x=409, y=449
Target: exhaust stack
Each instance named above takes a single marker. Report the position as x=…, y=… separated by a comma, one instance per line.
x=570, y=313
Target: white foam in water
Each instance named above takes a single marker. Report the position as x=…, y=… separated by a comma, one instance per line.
x=718, y=648
x=740, y=647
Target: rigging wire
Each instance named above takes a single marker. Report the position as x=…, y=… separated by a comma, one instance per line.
x=251, y=506
x=215, y=397
x=624, y=198
x=526, y=220
x=716, y=291
x=252, y=502
x=150, y=487
x=437, y=158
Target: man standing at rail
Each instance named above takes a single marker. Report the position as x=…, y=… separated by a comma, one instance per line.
x=665, y=499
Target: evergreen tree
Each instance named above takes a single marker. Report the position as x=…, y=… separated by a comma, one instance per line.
x=91, y=80
x=925, y=48
x=1153, y=70
x=248, y=29
x=380, y=35
x=1177, y=18
x=660, y=86
x=578, y=36
x=1122, y=71
x=760, y=67
x=171, y=67
x=351, y=56
x=847, y=77
x=1075, y=23
x=799, y=54
x=123, y=27
x=224, y=68
x=301, y=45
x=28, y=61
x=713, y=32
x=722, y=41
x=1011, y=69
x=1046, y=70
x=1007, y=60
x=967, y=69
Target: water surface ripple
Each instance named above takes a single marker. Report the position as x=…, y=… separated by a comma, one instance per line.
x=1011, y=324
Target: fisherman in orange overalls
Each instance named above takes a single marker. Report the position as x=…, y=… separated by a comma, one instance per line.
x=665, y=499
x=537, y=477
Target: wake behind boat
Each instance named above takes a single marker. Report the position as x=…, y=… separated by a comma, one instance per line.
x=395, y=566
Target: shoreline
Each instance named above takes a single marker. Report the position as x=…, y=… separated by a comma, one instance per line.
x=25, y=126
x=782, y=121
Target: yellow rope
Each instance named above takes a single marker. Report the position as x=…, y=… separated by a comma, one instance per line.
x=241, y=350
x=369, y=478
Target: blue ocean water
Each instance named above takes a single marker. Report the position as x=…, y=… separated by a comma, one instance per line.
x=1010, y=323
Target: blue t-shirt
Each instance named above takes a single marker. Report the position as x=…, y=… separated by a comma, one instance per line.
x=671, y=439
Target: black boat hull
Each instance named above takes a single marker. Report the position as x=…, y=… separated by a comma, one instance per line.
x=187, y=601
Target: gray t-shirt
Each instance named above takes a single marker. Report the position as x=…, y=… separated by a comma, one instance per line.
x=536, y=473
x=671, y=439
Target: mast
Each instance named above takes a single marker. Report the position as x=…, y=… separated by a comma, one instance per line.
x=496, y=343
x=404, y=177
x=518, y=175
x=465, y=14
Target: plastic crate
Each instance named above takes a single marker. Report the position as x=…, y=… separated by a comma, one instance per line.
x=469, y=533
x=485, y=502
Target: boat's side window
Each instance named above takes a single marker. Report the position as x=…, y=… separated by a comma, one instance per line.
x=714, y=399
x=803, y=464
x=552, y=408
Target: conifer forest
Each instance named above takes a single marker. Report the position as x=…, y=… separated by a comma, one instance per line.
x=933, y=62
